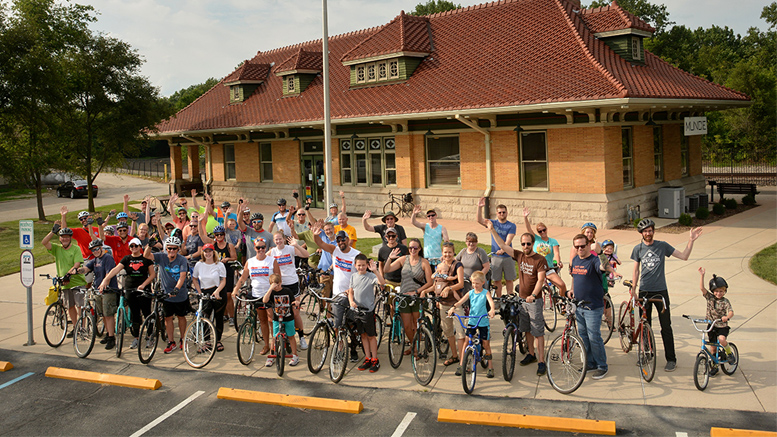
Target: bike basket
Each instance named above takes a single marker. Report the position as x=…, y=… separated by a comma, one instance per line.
x=407, y=197
x=52, y=297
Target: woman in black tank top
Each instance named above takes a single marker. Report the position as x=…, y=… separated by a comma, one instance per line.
x=226, y=253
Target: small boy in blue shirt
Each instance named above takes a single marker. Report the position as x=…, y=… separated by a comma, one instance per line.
x=478, y=298
x=718, y=307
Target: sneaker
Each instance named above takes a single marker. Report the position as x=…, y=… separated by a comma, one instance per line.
x=269, y=362
x=134, y=344
x=171, y=346
x=541, y=369
x=375, y=366
x=354, y=356
x=226, y=317
x=365, y=365
x=670, y=366
x=110, y=343
x=458, y=371
x=599, y=373
x=490, y=373
x=303, y=344
x=104, y=340
x=528, y=359
x=231, y=321
x=294, y=360
x=713, y=371
x=70, y=334
x=180, y=343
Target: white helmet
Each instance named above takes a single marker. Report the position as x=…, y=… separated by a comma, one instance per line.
x=83, y=214
x=172, y=241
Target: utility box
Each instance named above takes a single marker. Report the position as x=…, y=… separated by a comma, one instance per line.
x=692, y=203
x=704, y=201
x=671, y=202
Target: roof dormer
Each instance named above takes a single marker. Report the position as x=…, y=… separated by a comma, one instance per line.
x=299, y=70
x=621, y=30
x=245, y=80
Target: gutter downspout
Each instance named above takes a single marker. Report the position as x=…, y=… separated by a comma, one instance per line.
x=207, y=158
x=487, y=144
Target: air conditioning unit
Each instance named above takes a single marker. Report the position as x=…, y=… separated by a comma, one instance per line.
x=704, y=200
x=692, y=203
x=671, y=202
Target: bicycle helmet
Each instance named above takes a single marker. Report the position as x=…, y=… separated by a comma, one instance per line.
x=83, y=214
x=225, y=205
x=588, y=225
x=281, y=201
x=644, y=224
x=717, y=282
x=172, y=241
x=257, y=216
x=65, y=231
x=332, y=205
x=95, y=244
x=219, y=230
x=122, y=225
x=121, y=215
x=177, y=233
x=110, y=230
x=606, y=243
x=543, y=249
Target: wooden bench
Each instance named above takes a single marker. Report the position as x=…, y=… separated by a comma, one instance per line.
x=186, y=188
x=729, y=188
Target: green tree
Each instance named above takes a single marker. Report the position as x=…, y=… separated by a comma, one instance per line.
x=183, y=98
x=433, y=7
x=655, y=15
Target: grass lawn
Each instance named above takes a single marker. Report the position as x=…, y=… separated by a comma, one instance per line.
x=764, y=264
x=16, y=193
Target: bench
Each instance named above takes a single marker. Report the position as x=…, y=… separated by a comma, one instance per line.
x=187, y=187
x=730, y=188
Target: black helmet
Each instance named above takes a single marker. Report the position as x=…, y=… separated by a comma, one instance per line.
x=257, y=216
x=95, y=244
x=225, y=205
x=281, y=201
x=644, y=224
x=717, y=282
x=65, y=231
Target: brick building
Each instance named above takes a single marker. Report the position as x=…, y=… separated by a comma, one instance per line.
x=534, y=103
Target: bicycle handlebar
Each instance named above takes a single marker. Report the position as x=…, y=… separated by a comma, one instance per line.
x=711, y=323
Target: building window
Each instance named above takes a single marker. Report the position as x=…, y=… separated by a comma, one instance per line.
x=370, y=72
x=360, y=73
x=658, y=153
x=534, y=161
x=229, y=161
x=235, y=93
x=628, y=158
x=443, y=160
x=345, y=162
x=684, y=155
x=265, y=159
x=393, y=69
x=636, y=53
x=382, y=71
x=290, y=84
x=360, y=159
x=371, y=161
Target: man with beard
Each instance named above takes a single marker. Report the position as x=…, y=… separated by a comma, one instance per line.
x=68, y=259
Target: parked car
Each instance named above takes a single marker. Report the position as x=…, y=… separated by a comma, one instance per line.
x=73, y=189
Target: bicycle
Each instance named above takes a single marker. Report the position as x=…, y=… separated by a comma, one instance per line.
x=550, y=305
x=247, y=334
x=512, y=335
x=642, y=333
x=311, y=306
x=123, y=318
x=706, y=360
x=400, y=204
x=472, y=355
x=153, y=326
x=281, y=345
x=55, y=320
x=425, y=344
x=396, y=338
x=199, y=340
x=85, y=329
x=608, y=318
x=566, y=358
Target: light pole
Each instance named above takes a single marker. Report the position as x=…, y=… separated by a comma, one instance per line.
x=327, y=121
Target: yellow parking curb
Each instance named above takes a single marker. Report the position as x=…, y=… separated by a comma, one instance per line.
x=103, y=378
x=5, y=366
x=731, y=432
x=326, y=404
x=605, y=427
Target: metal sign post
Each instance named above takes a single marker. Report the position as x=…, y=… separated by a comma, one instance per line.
x=27, y=273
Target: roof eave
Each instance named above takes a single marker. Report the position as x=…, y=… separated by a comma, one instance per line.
x=629, y=31
x=386, y=56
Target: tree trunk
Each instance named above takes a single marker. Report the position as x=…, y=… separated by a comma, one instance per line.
x=39, y=195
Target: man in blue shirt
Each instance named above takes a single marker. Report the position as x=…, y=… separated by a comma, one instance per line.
x=173, y=269
x=501, y=263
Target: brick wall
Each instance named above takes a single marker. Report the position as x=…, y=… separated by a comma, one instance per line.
x=418, y=163
x=287, y=163
x=613, y=158
x=193, y=160
x=644, y=173
x=404, y=159
x=473, y=160
x=694, y=152
x=576, y=160
x=176, y=163
x=672, y=165
x=504, y=161
x=247, y=168
x=217, y=156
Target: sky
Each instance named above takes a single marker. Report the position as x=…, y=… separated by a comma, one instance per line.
x=186, y=42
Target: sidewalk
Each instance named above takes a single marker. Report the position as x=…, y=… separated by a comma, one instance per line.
x=724, y=249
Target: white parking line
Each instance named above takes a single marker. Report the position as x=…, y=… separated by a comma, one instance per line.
x=403, y=425
x=174, y=410
x=680, y=434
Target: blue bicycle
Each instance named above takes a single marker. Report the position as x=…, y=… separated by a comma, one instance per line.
x=707, y=362
x=473, y=354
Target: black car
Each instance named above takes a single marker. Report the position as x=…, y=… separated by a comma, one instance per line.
x=75, y=189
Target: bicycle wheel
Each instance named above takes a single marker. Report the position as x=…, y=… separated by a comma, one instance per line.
x=549, y=309
x=396, y=343
x=625, y=326
x=239, y=314
x=338, y=361
x=469, y=370
x=701, y=371
x=318, y=347
x=608, y=318
x=727, y=368
x=309, y=307
x=393, y=206
x=119, y=331
x=440, y=339
x=280, y=352
x=99, y=325
x=199, y=343
x=647, y=353
x=508, y=353
x=424, y=356
x=378, y=330
x=407, y=209
x=522, y=347
x=84, y=333
x=55, y=324
x=245, y=343
x=148, y=339
x=566, y=361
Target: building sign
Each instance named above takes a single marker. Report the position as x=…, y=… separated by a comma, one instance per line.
x=695, y=126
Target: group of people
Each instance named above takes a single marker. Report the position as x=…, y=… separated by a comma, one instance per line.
x=207, y=242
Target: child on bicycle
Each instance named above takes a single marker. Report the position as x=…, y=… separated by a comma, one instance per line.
x=478, y=298
x=283, y=318
x=718, y=307
x=361, y=295
x=609, y=255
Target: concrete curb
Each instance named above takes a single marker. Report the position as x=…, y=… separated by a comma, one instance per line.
x=103, y=378
x=5, y=366
x=731, y=432
x=326, y=404
x=605, y=427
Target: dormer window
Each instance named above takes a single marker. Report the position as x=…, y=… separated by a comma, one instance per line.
x=382, y=71
x=636, y=52
x=298, y=71
x=235, y=93
x=393, y=69
x=370, y=72
x=290, y=88
x=360, y=74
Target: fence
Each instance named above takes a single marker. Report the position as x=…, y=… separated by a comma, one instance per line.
x=739, y=172
x=149, y=167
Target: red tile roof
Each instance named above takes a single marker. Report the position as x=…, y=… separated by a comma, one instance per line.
x=301, y=60
x=405, y=33
x=505, y=53
x=612, y=17
x=249, y=71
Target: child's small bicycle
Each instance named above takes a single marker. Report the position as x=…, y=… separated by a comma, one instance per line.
x=706, y=361
x=473, y=354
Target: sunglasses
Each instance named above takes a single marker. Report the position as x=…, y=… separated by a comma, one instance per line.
x=253, y=222
x=501, y=212
x=261, y=247
x=300, y=215
x=413, y=248
x=132, y=246
x=391, y=236
x=542, y=230
x=192, y=226
x=182, y=213
x=431, y=215
x=580, y=247
x=172, y=248
x=339, y=240
x=95, y=249
x=219, y=235
x=526, y=244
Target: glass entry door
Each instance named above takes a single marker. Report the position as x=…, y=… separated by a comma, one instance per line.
x=313, y=179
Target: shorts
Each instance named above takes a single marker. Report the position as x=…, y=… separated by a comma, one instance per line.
x=326, y=281
x=531, y=319
x=287, y=326
x=406, y=307
x=106, y=304
x=503, y=265
x=73, y=297
x=451, y=326
x=552, y=271
x=294, y=289
x=715, y=332
x=365, y=324
x=179, y=309
x=484, y=332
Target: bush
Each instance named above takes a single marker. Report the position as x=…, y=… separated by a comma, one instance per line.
x=731, y=204
x=748, y=200
x=718, y=208
x=702, y=213
x=686, y=220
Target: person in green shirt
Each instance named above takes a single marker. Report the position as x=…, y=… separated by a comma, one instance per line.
x=68, y=259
